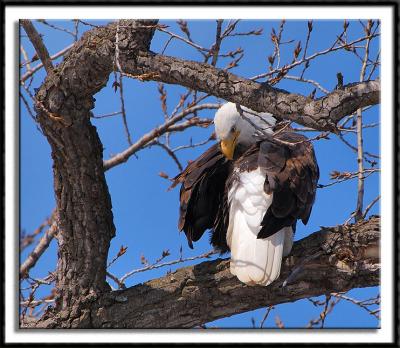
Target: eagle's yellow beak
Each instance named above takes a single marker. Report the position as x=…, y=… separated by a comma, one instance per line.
x=228, y=145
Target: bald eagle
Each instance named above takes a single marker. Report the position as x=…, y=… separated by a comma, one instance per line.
x=249, y=190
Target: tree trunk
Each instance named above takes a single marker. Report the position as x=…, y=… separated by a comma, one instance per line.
x=85, y=219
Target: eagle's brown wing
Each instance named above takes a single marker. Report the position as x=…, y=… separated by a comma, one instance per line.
x=291, y=175
x=201, y=194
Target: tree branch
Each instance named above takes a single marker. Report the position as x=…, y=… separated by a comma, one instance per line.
x=37, y=67
x=320, y=114
x=358, y=214
x=38, y=44
x=38, y=251
x=194, y=295
x=153, y=134
x=198, y=294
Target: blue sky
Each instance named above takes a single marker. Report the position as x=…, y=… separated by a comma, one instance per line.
x=145, y=213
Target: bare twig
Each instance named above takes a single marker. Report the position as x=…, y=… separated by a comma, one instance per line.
x=247, y=33
x=169, y=263
x=315, y=83
x=26, y=62
x=28, y=239
x=350, y=176
x=374, y=65
x=191, y=43
x=191, y=145
x=166, y=44
x=230, y=27
x=185, y=29
x=57, y=28
x=35, y=303
x=276, y=40
x=269, y=309
x=108, y=115
x=306, y=65
x=28, y=108
x=366, y=153
x=180, y=103
x=217, y=45
x=311, y=57
x=279, y=323
x=234, y=62
x=362, y=304
x=360, y=152
x=155, y=133
x=368, y=208
x=194, y=121
x=87, y=23
x=30, y=72
x=120, y=85
x=38, y=251
x=328, y=304
x=170, y=153
x=31, y=303
x=116, y=280
x=121, y=252
x=123, y=112
x=76, y=29
x=354, y=129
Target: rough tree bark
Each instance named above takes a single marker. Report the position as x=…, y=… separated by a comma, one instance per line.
x=331, y=260
x=85, y=219
x=320, y=114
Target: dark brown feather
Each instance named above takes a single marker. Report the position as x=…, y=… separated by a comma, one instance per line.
x=202, y=197
x=291, y=175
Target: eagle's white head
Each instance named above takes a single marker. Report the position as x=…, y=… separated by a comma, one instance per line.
x=232, y=129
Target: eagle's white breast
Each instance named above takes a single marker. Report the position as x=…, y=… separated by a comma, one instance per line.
x=253, y=261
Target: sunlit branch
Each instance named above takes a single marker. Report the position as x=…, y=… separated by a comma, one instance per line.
x=155, y=133
x=37, y=67
x=38, y=44
x=360, y=147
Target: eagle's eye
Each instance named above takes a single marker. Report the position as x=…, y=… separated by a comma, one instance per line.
x=233, y=129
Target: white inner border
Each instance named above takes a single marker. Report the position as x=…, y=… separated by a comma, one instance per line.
x=385, y=334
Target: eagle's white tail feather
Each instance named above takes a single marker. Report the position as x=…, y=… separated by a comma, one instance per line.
x=253, y=261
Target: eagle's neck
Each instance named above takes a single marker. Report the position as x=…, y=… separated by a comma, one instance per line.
x=240, y=150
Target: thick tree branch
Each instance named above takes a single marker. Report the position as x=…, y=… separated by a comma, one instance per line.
x=37, y=43
x=331, y=260
x=320, y=114
x=85, y=221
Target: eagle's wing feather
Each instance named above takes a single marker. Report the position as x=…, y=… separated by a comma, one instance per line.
x=201, y=194
x=291, y=175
